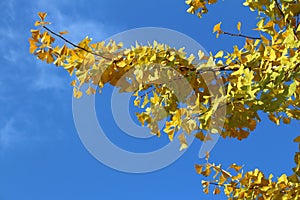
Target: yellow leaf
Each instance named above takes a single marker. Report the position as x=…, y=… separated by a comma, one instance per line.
x=171, y=134
x=207, y=171
x=206, y=190
x=191, y=10
x=32, y=45
x=42, y=15
x=217, y=191
x=274, y=119
x=226, y=174
x=73, y=83
x=283, y=179
x=37, y=23
x=222, y=179
x=242, y=134
x=219, y=54
x=63, y=32
x=293, y=178
x=77, y=93
x=206, y=156
x=207, y=138
x=292, y=88
x=297, y=139
x=169, y=130
x=286, y=120
x=121, y=64
x=273, y=56
x=200, y=136
x=90, y=91
x=63, y=50
x=238, y=26
x=70, y=68
x=265, y=40
x=237, y=177
x=199, y=168
x=49, y=58
x=205, y=183
x=252, y=124
x=217, y=28
x=200, y=54
x=146, y=101
x=35, y=34
x=155, y=99
x=236, y=167
x=183, y=142
x=137, y=102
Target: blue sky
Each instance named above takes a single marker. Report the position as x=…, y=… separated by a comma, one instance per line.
x=41, y=155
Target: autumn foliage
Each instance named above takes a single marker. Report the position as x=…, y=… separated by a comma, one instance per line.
x=263, y=76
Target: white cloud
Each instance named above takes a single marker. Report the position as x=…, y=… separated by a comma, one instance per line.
x=9, y=135
x=24, y=130
x=22, y=69
x=9, y=12
x=78, y=29
x=47, y=79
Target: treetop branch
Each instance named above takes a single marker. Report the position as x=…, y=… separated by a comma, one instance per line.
x=74, y=45
x=241, y=35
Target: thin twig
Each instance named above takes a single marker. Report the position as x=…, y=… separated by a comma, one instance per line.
x=222, y=68
x=279, y=8
x=283, y=16
x=74, y=45
x=217, y=184
x=241, y=35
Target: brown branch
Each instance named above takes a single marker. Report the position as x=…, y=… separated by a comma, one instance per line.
x=217, y=184
x=279, y=8
x=283, y=16
x=74, y=45
x=223, y=68
x=240, y=35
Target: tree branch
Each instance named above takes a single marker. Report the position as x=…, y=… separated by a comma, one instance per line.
x=279, y=8
x=74, y=45
x=222, y=68
x=241, y=35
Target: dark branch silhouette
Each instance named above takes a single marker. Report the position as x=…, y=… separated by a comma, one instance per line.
x=240, y=35
x=74, y=45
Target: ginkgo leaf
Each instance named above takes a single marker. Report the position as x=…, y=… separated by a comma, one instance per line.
x=77, y=93
x=200, y=54
x=37, y=23
x=207, y=156
x=297, y=139
x=252, y=125
x=63, y=32
x=199, y=168
x=260, y=77
x=90, y=91
x=219, y=54
x=200, y=136
x=286, y=120
x=42, y=15
x=238, y=26
x=265, y=40
x=206, y=190
x=236, y=167
x=183, y=142
x=217, y=28
x=32, y=45
x=216, y=191
x=73, y=83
